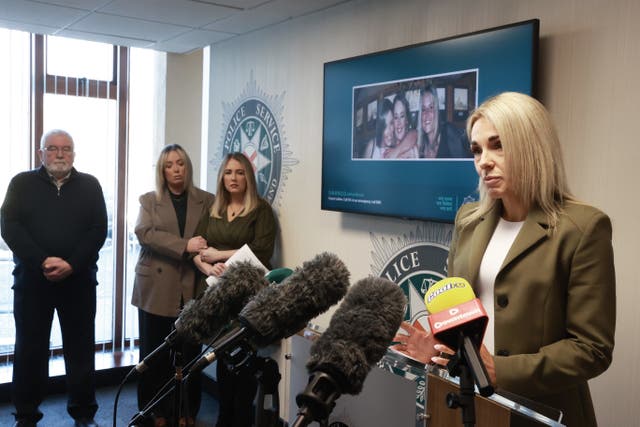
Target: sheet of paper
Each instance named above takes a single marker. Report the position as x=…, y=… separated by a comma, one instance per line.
x=243, y=254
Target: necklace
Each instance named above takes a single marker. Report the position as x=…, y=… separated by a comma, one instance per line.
x=234, y=213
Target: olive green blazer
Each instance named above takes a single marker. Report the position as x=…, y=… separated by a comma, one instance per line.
x=555, y=303
x=165, y=275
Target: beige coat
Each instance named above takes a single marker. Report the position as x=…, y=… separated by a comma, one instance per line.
x=164, y=273
x=555, y=304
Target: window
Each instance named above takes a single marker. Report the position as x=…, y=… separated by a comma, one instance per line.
x=68, y=57
x=92, y=122
x=14, y=120
x=146, y=138
x=93, y=112
x=117, y=128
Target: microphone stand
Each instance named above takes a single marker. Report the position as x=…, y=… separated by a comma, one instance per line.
x=468, y=366
x=143, y=416
x=268, y=376
x=180, y=396
x=244, y=357
x=317, y=400
x=176, y=385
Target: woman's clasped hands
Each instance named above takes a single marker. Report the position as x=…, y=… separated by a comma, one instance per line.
x=211, y=256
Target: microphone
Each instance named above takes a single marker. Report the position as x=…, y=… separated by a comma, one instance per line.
x=278, y=275
x=458, y=320
x=202, y=318
x=453, y=306
x=280, y=310
x=170, y=341
x=358, y=335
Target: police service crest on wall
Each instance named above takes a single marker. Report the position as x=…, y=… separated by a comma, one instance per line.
x=253, y=125
x=414, y=262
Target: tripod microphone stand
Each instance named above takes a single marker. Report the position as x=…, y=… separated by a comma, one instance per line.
x=243, y=358
x=175, y=385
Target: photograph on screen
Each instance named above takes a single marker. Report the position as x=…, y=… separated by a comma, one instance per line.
x=421, y=118
x=393, y=123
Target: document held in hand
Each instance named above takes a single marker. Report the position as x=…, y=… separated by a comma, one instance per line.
x=242, y=254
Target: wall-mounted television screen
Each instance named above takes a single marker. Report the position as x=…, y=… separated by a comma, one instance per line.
x=394, y=139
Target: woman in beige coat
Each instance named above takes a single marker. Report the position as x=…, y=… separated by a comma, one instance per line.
x=165, y=276
x=540, y=261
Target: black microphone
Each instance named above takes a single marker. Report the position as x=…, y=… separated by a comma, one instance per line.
x=171, y=341
x=280, y=310
x=201, y=319
x=358, y=335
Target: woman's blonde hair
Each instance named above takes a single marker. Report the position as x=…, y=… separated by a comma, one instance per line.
x=161, y=182
x=532, y=153
x=223, y=198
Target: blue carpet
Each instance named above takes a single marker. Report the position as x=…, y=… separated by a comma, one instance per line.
x=55, y=409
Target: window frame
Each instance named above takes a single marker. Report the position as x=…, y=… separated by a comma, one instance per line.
x=116, y=89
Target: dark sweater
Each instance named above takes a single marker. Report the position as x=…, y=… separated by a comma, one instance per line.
x=39, y=221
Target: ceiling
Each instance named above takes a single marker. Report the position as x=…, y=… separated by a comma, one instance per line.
x=177, y=26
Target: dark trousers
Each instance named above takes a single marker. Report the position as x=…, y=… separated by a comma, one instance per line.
x=237, y=392
x=162, y=368
x=33, y=309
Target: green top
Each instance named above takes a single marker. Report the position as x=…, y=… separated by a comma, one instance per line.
x=257, y=229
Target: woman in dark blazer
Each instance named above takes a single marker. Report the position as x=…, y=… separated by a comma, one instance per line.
x=541, y=262
x=165, y=277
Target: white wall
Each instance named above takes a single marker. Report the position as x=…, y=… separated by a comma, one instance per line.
x=184, y=105
x=589, y=60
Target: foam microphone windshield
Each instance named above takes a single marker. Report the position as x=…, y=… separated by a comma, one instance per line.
x=358, y=335
x=447, y=293
x=359, y=332
x=202, y=319
x=280, y=310
x=453, y=309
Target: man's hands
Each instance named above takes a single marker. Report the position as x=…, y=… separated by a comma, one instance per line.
x=56, y=269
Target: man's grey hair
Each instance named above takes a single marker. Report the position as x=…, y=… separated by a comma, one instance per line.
x=55, y=132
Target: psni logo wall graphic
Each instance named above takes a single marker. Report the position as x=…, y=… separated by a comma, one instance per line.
x=253, y=126
x=414, y=262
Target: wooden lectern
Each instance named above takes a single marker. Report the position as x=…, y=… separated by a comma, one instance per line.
x=488, y=412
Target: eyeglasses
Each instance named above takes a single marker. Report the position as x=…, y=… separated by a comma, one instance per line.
x=52, y=148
